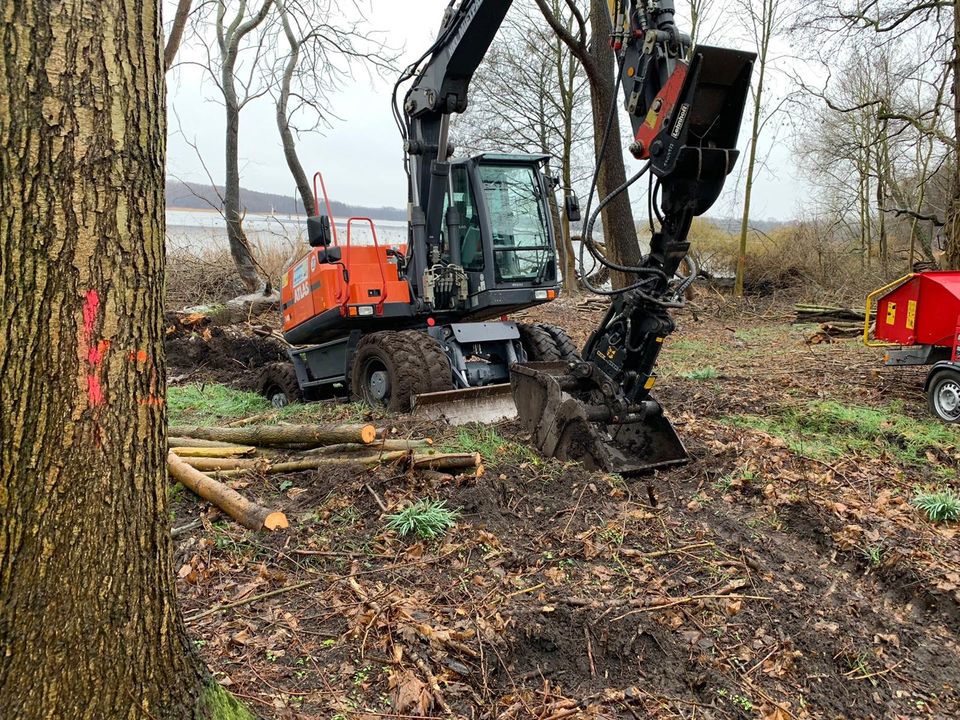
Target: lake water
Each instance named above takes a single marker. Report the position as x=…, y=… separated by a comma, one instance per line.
x=198, y=231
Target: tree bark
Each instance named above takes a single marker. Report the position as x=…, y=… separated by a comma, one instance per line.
x=176, y=33
x=89, y=623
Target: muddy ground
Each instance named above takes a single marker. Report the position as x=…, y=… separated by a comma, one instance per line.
x=781, y=574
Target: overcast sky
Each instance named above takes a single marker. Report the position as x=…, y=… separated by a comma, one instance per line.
x=360, y=155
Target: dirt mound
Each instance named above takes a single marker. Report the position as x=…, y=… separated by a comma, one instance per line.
x=233, y=354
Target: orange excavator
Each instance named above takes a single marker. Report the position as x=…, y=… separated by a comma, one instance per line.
x=425, y=325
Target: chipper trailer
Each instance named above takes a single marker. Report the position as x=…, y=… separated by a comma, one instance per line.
x=918, y=321
x=427, y=323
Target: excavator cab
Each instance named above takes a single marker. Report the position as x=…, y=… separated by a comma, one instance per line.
x=498, y=228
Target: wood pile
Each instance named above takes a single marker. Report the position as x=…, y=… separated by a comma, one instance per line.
x=203, y=458
x=827, y=314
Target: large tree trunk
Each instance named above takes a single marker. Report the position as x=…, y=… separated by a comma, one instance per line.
x=89, y=625
x=619, y=230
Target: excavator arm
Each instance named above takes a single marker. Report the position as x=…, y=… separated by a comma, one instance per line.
x=440, y=88
x=685, y=105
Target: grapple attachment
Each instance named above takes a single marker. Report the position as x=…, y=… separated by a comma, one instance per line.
x=555, y=406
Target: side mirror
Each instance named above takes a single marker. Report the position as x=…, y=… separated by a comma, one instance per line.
x=318, y=231
x=572, y=206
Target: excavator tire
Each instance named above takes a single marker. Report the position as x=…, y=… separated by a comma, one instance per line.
x=277, y=381
x=566, y=348
x=390, y=368
x=435, y=362
x=546, y=343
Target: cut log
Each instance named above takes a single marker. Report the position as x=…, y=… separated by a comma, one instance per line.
x=827, y=313
x=273, y=435
x=318, y=462
x=314, y=463
x=210, y=464
x=385, y=445
x=173, y=441
x=446, y=461
x=214, y=452
x=245, y=512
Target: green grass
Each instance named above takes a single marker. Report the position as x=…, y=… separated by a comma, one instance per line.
x=826, y=430
x=491, y=445
x=705, y=373
x=426, y=519
x=213, y=403
x=207, y=404
x=940, y=505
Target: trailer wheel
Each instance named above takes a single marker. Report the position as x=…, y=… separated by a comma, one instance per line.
x=277, y=382
x=547, y=343
x=390, y=368
x=943, y=395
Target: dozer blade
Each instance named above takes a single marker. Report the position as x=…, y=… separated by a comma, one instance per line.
x=563, y=427
x=487, y=404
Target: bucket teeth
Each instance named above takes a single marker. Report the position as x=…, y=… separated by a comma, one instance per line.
x=561, y=426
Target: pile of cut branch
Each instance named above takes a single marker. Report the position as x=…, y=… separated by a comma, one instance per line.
x=203, y=457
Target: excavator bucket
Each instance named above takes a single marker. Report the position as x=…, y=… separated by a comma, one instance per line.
x=568, y=429
x=487, y=404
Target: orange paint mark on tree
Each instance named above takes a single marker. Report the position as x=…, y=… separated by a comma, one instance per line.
x=94, y=352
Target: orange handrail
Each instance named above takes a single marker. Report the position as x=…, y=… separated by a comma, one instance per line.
x=380, y=262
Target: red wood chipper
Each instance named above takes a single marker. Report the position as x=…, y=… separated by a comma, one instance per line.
x=918, y=321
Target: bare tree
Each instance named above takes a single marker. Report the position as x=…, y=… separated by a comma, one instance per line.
x=322, y=49
x=763, y=19
x=238, y=73
x=887, y=21
x=596, y=57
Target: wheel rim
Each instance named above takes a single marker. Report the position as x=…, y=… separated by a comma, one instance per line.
x=376, y=382
x=946, y=398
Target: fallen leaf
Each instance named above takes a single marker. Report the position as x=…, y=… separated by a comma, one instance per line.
x=411, y=694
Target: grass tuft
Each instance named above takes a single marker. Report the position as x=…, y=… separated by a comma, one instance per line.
x=939, y=505
x=491, y=445
x=425, y=518
x=705, y=373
